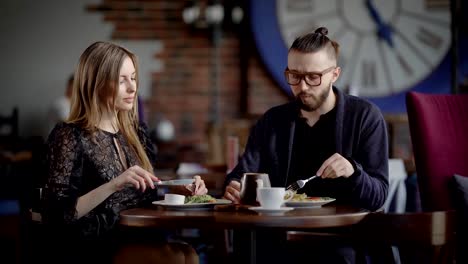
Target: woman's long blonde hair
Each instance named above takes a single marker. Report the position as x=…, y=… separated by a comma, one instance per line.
x=96, y=80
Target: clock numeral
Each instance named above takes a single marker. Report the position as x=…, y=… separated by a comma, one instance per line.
x=416, y=50
x=385, y=67
x=369, y=78
x=299, y=5
x=301, y=25
x=404, y=65
x=430, y=39
x=437, y=4
x=425, y=18
x=296, y=32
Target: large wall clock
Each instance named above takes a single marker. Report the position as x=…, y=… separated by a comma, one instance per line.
x=388, y=47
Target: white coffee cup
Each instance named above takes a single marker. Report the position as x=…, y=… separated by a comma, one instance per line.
x=170, y=198
x=271, y=197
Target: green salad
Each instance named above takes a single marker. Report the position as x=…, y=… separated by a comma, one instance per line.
x=206, y=198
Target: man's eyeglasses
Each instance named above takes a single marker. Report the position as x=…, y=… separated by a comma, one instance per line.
x=311, y=78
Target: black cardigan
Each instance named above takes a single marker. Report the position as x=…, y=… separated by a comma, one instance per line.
x=361, y=136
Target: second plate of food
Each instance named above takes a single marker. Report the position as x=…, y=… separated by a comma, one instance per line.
x=197, y=202
x=302, y=201
x=191, y=206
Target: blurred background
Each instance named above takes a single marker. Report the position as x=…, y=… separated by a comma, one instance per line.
x=192, y=75
x=209, y=69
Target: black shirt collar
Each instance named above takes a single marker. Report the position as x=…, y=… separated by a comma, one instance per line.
x=326, y=116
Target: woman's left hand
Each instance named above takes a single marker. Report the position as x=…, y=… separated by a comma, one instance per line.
x=198, y=186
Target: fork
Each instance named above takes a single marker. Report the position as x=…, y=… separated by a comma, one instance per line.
x=299, y=184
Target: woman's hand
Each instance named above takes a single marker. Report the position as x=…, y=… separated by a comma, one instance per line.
x=136, y=177
x=198, y=186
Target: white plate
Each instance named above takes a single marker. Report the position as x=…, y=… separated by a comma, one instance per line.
x=175, y=182
x=268, y=211
x=191, y=206
x=308, y=204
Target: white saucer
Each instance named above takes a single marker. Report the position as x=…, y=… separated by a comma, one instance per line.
x=191, y=206
x=268, y=211
x=310, y=203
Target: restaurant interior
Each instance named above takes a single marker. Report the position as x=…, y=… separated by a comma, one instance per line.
x=209, y=69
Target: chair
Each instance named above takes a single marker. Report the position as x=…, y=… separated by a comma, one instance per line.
x=412, y=233
x=438, y=127
x=218, y=135
x=174, y=252
x=420, y=237
x=10, y=233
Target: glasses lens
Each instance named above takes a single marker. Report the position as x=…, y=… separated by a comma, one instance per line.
x=293, y=78
x=313, y=79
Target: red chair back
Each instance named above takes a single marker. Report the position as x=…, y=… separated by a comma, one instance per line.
x=439, y=133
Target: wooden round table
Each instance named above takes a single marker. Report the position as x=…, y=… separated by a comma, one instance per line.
x=233, y=217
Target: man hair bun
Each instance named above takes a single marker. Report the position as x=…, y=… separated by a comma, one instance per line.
x=322, y=30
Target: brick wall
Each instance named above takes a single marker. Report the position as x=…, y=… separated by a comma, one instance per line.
x=182, y=92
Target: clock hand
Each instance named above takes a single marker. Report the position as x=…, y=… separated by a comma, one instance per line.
x=384, y=31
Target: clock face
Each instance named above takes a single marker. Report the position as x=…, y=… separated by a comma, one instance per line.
x=386, y=46
x=411, y=52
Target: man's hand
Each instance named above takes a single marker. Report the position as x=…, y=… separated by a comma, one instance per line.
x=335, y=166
x=233, y=192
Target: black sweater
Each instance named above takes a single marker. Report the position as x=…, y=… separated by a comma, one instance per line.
x=360, y=136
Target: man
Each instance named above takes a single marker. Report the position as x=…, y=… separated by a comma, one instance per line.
x=324, y=132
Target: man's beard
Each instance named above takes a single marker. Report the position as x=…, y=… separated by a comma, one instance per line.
x=312, y=106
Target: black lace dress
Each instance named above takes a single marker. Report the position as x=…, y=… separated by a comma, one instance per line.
x=78, y=162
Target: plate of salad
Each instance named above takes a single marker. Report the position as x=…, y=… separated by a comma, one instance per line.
x=196, y=202
x=304, y=201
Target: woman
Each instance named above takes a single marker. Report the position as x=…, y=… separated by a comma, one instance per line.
x=100, y=160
